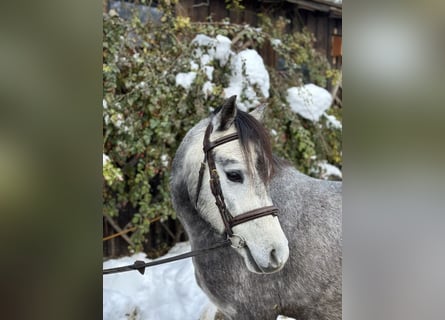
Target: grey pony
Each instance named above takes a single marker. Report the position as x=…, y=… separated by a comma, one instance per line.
x=308, y=286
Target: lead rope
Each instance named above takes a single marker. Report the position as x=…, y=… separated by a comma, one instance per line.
x=141, y=265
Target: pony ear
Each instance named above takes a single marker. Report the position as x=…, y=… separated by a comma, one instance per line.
x=225, y=117
x=258, y=112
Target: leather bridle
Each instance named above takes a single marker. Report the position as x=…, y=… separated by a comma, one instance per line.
x=215, y=186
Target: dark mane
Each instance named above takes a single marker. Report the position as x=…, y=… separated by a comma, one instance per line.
x=250, y=130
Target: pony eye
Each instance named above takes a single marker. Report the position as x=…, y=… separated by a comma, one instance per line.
x=235, y=176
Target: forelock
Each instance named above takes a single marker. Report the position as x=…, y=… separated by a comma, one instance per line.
x=252, y=133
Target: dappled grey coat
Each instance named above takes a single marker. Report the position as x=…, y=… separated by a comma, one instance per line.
x=309, y=285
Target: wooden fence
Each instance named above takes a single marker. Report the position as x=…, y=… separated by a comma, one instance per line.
x=117, y=236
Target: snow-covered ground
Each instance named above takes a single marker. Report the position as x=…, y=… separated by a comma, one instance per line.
x=165, y=292
x=168, y=291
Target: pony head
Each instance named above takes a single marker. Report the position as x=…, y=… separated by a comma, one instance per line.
x=245, y=167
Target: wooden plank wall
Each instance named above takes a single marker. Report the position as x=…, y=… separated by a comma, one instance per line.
x=325, y=28
x=215, y=10
x=321, y=24
x=335, y=53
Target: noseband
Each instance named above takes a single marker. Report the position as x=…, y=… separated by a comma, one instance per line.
x=215, y=186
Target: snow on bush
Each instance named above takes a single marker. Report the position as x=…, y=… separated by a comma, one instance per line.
x=248, y=73
x=309, y=101
x=208, y=49
x=111, y=174
x=248, y=78
x=328, y=170
x=105, y=159
x=332, y=121
x=275, y=42
x=185, y=80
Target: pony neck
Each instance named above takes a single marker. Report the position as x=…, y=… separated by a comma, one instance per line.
x=201, y=234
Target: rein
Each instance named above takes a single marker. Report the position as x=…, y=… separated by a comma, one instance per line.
x=234, y=240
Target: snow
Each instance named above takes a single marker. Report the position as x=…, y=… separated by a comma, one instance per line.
x=248, y=72
x=141, y=85
x=208, y=49
x=164, y=160
x=207, y=88
x=119, y=122
x=222, y=50
x=329, y=170
x=332, y=121
x=118, y=306
x=185, y=80
x=209, y=72
x=275, y=42
x=284, y=318
x=167, y=291
x=105, y=159
x=248, y=78
x=309, y=101
x=194, y=66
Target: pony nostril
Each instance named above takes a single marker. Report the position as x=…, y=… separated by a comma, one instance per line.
x=274, y=260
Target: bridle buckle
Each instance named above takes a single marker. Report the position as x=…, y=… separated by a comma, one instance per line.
x=237, y=241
